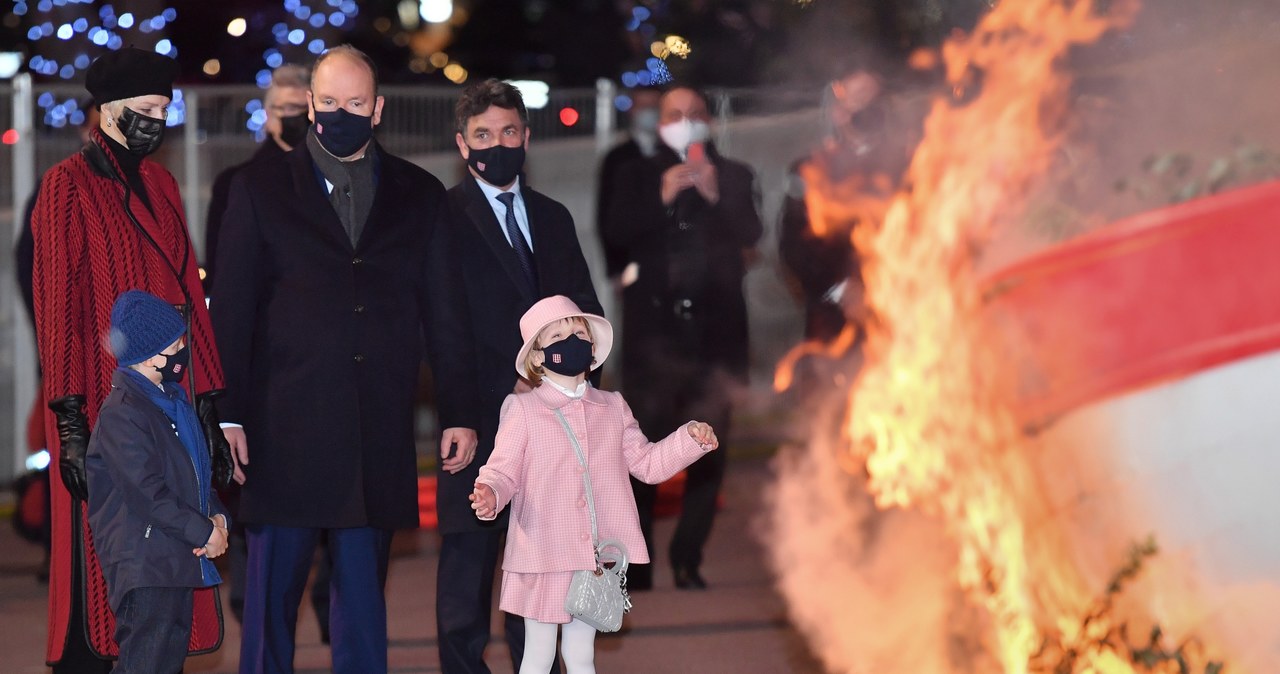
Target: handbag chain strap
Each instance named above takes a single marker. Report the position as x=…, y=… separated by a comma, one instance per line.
x=586, y=481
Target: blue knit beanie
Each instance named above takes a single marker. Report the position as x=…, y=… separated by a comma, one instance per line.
x=142, y=325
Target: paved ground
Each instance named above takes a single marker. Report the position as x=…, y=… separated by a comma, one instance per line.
x=738, y=625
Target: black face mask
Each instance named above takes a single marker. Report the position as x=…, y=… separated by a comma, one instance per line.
x=498, y=165
x=175, y=366
x=342, y=133
x=142, y=134
x=570, y=356
x=293, y=130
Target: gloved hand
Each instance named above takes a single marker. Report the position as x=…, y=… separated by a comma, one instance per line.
x=224, y=466
x=73, y=436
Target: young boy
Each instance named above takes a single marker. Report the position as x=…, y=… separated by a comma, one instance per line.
x=155, y=518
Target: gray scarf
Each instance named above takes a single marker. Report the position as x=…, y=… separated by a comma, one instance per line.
x=353, y=185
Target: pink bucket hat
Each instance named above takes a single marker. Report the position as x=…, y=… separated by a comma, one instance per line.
x=557, y=307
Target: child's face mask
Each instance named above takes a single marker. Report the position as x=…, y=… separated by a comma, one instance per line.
x=570, y=356
x=175, y=366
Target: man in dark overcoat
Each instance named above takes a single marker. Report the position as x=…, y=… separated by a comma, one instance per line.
x=332, y=269
x=514, y=246
x=285, y=104
x=687, y=217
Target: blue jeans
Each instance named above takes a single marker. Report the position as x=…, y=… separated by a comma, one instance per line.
x=153, y=628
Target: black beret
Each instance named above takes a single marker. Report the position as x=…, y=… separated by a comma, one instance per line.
x=129, y=72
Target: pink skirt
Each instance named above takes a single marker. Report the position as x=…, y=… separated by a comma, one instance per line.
x=539, y=596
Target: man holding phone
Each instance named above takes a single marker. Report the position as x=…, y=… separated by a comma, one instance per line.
x=688, y=218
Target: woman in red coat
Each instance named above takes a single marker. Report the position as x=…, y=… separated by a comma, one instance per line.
x=107, y=221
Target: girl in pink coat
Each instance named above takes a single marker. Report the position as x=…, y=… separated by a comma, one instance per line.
x=535, y=469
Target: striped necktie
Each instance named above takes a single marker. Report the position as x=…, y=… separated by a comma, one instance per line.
x=523, y=254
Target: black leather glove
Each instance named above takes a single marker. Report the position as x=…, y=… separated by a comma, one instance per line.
x=219, y=449
x=73, y=436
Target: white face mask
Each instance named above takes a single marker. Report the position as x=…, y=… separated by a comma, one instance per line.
x=679, y=135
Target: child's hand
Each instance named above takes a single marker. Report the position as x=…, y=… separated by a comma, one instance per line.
x=217, y=543
x=484, y=501
x=703, y=434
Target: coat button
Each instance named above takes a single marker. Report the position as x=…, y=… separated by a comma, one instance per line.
x=359, y=308
x=359, y=358
x=358, y=260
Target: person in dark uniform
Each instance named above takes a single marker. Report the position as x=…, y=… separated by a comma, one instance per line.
x=866, y=159
x=688, y=218
x=642, y=141
x=285, y=103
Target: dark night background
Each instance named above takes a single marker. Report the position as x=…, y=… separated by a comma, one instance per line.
x=565, y=43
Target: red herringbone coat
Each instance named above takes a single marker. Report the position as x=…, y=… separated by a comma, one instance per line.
x=87, y=251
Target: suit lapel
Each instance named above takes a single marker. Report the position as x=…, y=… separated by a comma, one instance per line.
x=482, y=217
x=312, y=199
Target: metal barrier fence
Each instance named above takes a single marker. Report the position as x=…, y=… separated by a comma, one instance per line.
x=417, y=122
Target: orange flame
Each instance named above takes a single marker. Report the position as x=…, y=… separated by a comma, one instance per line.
x=930, y=421
x=784, y=374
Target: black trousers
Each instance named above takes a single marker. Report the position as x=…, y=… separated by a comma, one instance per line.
x=464, y=599
x=660, y=409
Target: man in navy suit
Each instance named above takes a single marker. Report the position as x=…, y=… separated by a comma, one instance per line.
x=513, y=246
x=332, y=269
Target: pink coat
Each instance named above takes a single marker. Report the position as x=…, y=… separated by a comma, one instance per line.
x=533, y=467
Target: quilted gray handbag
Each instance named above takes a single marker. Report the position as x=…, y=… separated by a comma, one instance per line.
x=598, y=597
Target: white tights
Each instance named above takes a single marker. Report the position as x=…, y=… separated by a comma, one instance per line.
x=577, y=645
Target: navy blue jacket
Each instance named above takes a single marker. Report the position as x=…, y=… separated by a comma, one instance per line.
x=144, y=496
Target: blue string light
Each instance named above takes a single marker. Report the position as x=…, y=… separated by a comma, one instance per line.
x=177, y=109
x=301, y=18
x=59, y=114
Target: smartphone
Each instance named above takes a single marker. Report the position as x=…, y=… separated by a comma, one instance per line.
x=697, y=153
